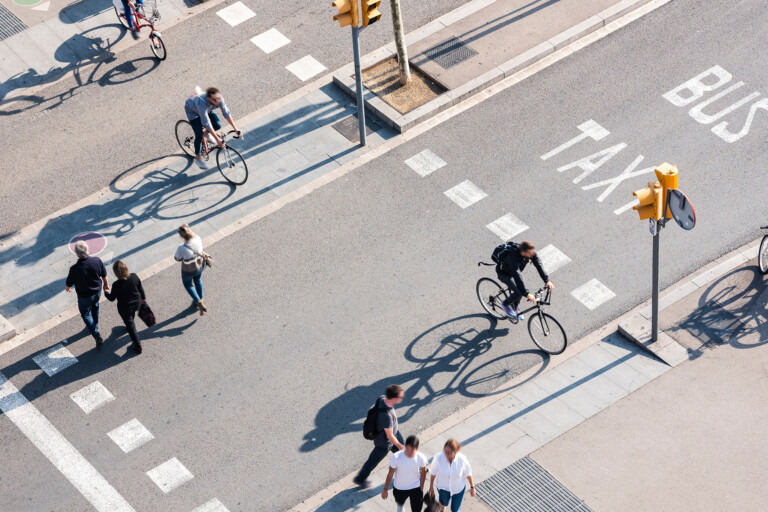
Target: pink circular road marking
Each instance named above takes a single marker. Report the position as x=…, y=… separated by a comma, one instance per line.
x=96, y=242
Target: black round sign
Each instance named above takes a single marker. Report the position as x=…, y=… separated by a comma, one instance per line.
x=681, y=209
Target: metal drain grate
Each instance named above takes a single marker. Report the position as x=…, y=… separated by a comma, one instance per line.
x=9, y=23
x=527, y=487
x=348, y=127
x=449, y=53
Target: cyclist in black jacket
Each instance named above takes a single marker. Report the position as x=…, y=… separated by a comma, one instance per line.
x=509, y=270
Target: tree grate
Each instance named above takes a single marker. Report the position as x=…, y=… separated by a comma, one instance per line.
x=9, y=23
x=449, y=53
x=527, y=487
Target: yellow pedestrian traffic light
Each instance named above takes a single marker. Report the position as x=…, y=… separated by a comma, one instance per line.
x=371, y=13
x=667, y=175
x=348, y=14
x=651, y=202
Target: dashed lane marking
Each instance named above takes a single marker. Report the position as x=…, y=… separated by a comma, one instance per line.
x=465, y=194
x=55, y=359
x=169, y=475
x=425, y=163
x=131, y=435
x=552, y=258
x=92, y=396
x=236, y=13
x=270, y=40
x=213, y=505
x=305, y=68
x=592, y=294
x=507, y=227
x=51, y=443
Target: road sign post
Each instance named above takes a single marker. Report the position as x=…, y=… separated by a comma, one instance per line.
x=359, y=84
x=655, y=288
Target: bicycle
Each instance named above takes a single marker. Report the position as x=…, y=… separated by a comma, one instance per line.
x=545, y=331
x=762, y=256
x=234, y=169
x=142, y=21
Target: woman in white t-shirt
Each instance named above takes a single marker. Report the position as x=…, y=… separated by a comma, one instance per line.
x=409, y=469
x=451, y=470
x=190, y=254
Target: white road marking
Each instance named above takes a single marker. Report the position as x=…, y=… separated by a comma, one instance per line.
x=552, y=258
x=592, y=294
x=591, y=163
x=131, y=435
x=697, y=113
x=589, y=129
x=425, y=163
x=92, y=396
x=42, y=7
x=465, y=194
x=169, y=475
x=55, y=359
x=628, y=206
x=270, y=40
x=305, y=68
x=611, y=183
x=507, y=227
x=695, y=87
x=213, y=505
x=80, y=473
x=236, y=13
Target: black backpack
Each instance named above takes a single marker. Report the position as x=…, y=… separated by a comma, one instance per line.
x=500, y=250
x=371, y=421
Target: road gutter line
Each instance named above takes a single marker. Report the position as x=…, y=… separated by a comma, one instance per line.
x=342, y=170
x=65, y=457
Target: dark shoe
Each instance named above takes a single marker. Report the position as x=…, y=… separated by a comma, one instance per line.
x=136, y=347
x=365, y=484
x=135, y=33
x=99, y=342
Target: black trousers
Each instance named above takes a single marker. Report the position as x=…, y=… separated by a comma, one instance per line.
x=128, y=314
x=377, y=455
x=415, y=495
x=514, y=293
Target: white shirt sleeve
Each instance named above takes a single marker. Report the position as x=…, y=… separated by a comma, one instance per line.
x=422, y=460
x=435, y=467
x=393, y=461
x=467, y=468
x=179, y=254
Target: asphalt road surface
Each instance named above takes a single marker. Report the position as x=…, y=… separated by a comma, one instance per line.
x=75, y=137
x=370, y=280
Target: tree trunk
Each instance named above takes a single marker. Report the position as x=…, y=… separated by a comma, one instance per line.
x=402, y=51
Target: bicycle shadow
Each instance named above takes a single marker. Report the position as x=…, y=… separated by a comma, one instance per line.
x=470, y=355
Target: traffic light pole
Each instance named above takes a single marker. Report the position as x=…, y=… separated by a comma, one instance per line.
x=655, y=285
x=359, y=84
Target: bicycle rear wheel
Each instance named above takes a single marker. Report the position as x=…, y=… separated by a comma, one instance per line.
x=157, y=45
x=547, y=333
x=120, y=17
x=762, y=256
x=491, y=295
x=185, y=136
x=232, y=165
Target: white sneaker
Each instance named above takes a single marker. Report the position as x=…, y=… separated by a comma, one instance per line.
x=520, y=316
x=201, y=163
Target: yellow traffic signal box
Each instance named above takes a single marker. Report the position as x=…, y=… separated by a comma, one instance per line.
x=651, y=202
x=371, y=13
x=348, y=13
x=667, y=176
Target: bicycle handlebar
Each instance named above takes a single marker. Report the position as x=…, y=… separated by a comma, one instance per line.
x=486, y=264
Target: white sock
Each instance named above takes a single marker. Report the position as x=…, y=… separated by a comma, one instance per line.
x=400, y=507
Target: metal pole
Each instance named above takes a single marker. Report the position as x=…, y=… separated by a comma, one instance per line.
x=359, y=83
x=655, y=292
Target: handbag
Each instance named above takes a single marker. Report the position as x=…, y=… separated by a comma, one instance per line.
x=207, y=259
x=146, y=314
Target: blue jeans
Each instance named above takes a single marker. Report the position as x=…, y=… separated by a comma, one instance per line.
x=132, y=21
x=193, y=283
x=89, y=310
x=197, y=126
x=455, y=500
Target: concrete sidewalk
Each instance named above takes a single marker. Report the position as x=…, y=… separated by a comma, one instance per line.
x=562, y=437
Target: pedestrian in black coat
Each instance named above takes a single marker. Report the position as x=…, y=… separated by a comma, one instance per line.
x=129, y=294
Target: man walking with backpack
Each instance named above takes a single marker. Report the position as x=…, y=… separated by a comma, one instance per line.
x=381, y=427
x=511, y=259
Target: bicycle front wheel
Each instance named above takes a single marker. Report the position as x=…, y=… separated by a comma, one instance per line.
x=762, y=256
x=491, y=295
x=157, y=45
x=120, y=17
x=185, y=136
x=547, y=333
x=232, y=165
